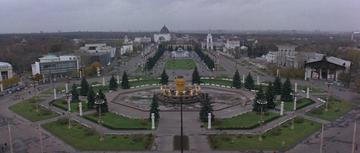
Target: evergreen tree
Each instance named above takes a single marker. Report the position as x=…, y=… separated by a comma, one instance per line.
x=125, y=81
x=259, y=102
x=164, y=78
x=84, y=87
x=206, y=108
x=236, y=80
x=113, y=85
x=286, y=91
x=90, y=98
x=270, y=96
x=74, y=94
x=249, y=82
x=104, y=106
x=154, y=108
x=277, y=86
x=195, y=77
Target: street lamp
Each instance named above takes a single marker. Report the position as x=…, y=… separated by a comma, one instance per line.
x=68, y=96
x=262, y=104
x=99, y=101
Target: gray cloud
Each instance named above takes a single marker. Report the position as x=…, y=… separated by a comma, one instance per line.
x=124, y=15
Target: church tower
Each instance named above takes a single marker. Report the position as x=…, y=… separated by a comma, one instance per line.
x=209, y=42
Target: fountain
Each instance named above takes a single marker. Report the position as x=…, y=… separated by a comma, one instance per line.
x=181, y=93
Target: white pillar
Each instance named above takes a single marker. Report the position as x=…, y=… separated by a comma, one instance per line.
x=296, y=86
x=354, y=139
x=282, y=108
x=295, y=100
x=68, y=102
x=305, y=74
x=98, y=71
x=66, y=88
x=80, y=108
x=257, y=80
x=55, y=97
x=152, y=121
x=80, y=74
x=118, y=79
x=103, y=81
x=209, y=120
x=277, y=73
x=1, y=87
x=307, y=92
x=243, y=79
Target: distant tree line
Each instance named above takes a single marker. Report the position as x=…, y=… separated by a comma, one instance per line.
x=207, y=60
x=150, y=63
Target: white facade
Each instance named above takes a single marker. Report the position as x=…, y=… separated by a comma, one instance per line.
x=209, y=42
x=126, y=49
x=163, y=36
x=180, y=53
x=142, y=39
x=6, y=71
x=286, y=56
x=232, y=44
x=270, y=57
x=99, y=48
x=60, y=62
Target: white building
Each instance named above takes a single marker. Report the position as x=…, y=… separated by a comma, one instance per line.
x=209, y=42
x=163, y=36
x=286, y=56
x=51, y=66
x=6, y=71
x=180, y=53
x=99, y=48
x=232, y=43
x=126, y=49
x=270, y=57
x=142, y=39
x=327, y=68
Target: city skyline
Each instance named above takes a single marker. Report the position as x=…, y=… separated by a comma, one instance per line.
x=180, y=15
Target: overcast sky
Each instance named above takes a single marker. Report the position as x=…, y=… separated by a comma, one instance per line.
x=151, y=15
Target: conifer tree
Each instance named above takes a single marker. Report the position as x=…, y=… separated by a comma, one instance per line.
x=270, y=96
x=164, y=78
x=286, y=91
x=90, y=98
x=113, y=85
x=195, y=77
x=84, y=87
x=154, y=108
x=125, y=81
x=74, y=94
x=260, y=101
x=206, y=108
x=249, y=82
x=104, y=106
x=277, y=86
x=236, y=80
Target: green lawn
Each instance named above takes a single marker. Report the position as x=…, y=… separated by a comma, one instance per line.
x=280, y=138
x=113, y=121
x=336, y=109
x=217, y=81
x=312, y=90
x=180, y=64
x=300, y=103
x=84, y=138
x=143, y=82
x=245, y=121
x=62, y=104
x=31, y=110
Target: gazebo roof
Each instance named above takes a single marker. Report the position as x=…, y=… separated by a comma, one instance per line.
x=328, y=63
x=164, y=30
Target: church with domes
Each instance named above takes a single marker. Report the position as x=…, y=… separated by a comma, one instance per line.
x=163, y=36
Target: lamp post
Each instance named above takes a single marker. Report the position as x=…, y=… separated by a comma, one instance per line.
x=262, y=104
x=181, y=124
x=69, y=109
x=99, y=101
